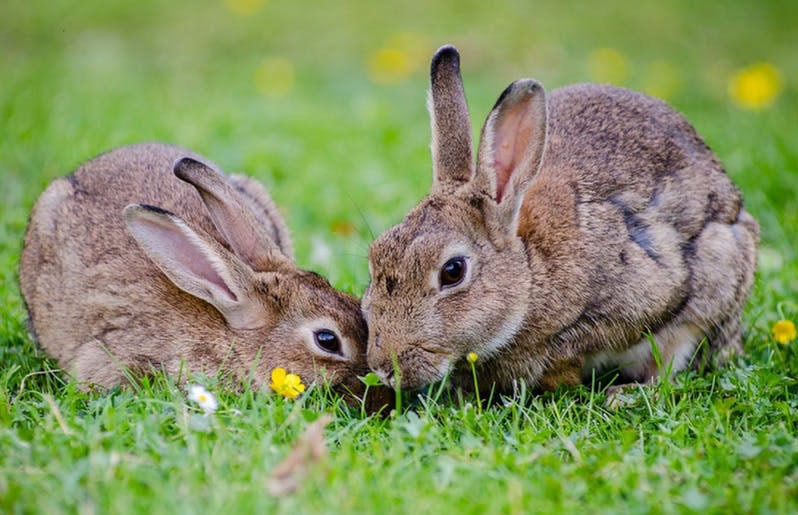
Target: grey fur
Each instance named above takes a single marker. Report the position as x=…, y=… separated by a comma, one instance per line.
x=625, y=224
x=101, y=300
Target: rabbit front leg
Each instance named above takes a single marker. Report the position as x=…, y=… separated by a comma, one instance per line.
x=564, y=372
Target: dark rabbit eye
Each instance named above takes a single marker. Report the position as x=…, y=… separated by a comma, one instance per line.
x=328, y=341
x=453, y=271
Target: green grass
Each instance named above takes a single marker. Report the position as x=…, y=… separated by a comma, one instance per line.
x=345, y=157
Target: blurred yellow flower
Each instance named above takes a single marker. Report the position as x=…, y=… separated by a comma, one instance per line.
x=756, y=87
x=784, y=331
x=400, y=57
x=275, y=77
x=472, y=357
x=389, y=65
x=607, y=65
x=244, y=7
x=287, y=385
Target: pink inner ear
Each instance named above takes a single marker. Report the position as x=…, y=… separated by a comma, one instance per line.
x=185, y=257
x=201, y=266
x=511, y=140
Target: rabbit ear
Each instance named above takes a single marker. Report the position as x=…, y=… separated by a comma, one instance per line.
x=511, y=146
x=196, y=264
x=237, y=223
x=452, y=156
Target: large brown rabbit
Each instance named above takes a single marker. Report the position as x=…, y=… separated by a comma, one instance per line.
x=592, y=217
x=203, y=282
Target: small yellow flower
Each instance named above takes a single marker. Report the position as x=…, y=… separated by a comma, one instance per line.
x=287, y=385
x=244, y=7
x=203, y=397
x=400, y=57
x=389, y=65
x=756, y=87
x=472, y=357
x=784, y=331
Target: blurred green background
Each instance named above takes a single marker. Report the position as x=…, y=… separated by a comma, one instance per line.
x=325, y=101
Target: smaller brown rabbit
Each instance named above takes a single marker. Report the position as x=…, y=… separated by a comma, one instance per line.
x=592, y=217
x=149, y=258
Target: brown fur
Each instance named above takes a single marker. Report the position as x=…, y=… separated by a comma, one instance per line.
x=98, y=303
x=625, y=224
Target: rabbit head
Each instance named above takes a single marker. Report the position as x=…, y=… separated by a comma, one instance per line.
x=279, y=315
x=452, y=277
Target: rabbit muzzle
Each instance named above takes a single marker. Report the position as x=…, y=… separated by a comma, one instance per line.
x=408, y=366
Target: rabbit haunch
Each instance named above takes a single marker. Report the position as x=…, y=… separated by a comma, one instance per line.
x=148, y=258
x=593, y=216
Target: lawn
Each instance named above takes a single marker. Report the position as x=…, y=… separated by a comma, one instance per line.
x=325, y=104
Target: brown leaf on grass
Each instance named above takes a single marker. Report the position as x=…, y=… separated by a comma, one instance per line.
x=309, y=451
x=342, y=228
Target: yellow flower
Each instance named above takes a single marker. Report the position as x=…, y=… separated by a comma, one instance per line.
x=756, y=87
x=388, y=65
x=401, y=56
x=287, y=385
x=607, y=65
x=244, y=7
x=472, y=357
x=784, y=331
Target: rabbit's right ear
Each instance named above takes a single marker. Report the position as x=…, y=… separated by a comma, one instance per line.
x=452, y=155
x=197, y=264
x=237, y=223
x=511, y=148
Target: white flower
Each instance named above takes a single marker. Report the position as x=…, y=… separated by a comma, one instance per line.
x=321, y=255
x=203, y=397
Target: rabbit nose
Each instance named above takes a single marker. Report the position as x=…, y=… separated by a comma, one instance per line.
x=386, y=376
x=380, y=362
x=383, y=368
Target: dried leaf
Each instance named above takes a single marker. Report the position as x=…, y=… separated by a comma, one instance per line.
x=342, y=228
x=309, y=451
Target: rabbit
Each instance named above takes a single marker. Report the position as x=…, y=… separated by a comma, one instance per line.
x=594, y=218
x=148, y=257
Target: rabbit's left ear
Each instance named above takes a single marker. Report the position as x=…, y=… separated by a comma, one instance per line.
x=511, y=147
x=452, y=155
x=197, y=264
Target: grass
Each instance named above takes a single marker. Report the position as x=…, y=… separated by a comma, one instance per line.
x=342, y=145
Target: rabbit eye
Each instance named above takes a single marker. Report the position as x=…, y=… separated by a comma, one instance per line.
x=452, y=272
x=327, y=341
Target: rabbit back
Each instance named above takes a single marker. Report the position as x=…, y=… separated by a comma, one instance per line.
x=641, y=230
